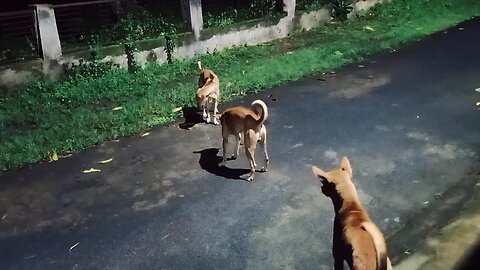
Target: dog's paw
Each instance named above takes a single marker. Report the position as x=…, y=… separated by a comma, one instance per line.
x=249, y=179
x=263, y=169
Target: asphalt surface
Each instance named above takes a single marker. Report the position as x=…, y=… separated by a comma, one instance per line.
x=407, y=120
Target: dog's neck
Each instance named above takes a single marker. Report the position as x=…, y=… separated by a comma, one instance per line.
x=346, y=199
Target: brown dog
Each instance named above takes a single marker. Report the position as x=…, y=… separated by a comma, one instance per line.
x=208, y=93
x=236, y=120
x=356, y=239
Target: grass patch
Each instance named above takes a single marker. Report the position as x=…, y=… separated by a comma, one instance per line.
x=76, y=113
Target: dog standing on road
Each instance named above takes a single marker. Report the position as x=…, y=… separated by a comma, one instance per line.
x=208, y=93
x=356, y=239
x=249, y=121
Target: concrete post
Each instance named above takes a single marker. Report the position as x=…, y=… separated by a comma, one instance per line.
x=47, y=33
x=192, y=13
x=289, y=7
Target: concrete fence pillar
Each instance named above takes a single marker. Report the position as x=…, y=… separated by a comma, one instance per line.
x=47, y=33
x=289, y=7
x=192, y=13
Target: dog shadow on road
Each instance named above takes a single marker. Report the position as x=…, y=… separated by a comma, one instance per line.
x=209, y=161
x=192, y=117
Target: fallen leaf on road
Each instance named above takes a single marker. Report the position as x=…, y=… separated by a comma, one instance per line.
x=105, y=161
x=461, y=28
x=74, y=246
x=145, y=134
x=165, y=236
x=54, y=156
x=4, y=216
x=368, y=27
x=477, y=89
x=361, y=66
x=91, y=170
x=117, y=108
x=177, y=109
x=418, y=116
x=478, y=103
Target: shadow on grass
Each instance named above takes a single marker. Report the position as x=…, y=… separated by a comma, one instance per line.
x=209, y=161
x=192, y=117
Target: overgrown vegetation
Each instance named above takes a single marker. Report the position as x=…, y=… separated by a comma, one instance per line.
x=135, y=26
x=71, y=115
x=253, y=10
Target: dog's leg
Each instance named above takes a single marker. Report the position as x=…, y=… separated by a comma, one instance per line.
x=204, y=113
x=250, y=144
x=207, y=104
x=224, y=144
x=237, y=146
x=215, y=111
x=263, y=145
x=389, y=264
x=216, y=103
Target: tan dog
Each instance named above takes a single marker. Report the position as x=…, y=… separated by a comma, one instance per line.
x=356, y=239
x=208, y=93
x=249, y=121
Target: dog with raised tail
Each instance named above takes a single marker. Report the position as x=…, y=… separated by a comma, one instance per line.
x=208, y=93
x=250, y=122
x=356, y=239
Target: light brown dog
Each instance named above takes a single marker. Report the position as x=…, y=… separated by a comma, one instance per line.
x=249, y=121
x=356, y=239
x=208, y=93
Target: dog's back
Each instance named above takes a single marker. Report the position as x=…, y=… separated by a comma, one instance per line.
x=233, y=118
x=365, y=253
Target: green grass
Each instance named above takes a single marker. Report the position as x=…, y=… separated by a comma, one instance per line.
x=74, y=114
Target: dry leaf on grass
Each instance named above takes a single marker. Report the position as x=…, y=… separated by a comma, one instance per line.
x=105, y=161
x=339, y=53
x=177, y=109
x=368, y=27
x=91, y=170
x=117, y=108
x=54, y=156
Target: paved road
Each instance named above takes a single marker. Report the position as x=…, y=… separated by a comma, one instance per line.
x=407, y=120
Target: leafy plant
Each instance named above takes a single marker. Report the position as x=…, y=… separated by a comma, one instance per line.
x=341, y=8
x=223, y=19
x=93, y=68
x=131, y=63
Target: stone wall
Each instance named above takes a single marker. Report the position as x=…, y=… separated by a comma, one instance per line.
x=189, y=45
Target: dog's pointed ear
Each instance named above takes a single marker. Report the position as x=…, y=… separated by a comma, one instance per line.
x=345, y=165
x=320, y=174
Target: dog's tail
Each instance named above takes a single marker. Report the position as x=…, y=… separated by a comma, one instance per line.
x=200, y=65
x=379, y=243
x=264, y=110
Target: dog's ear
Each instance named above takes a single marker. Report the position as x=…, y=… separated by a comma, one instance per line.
x=320, y=174
x=345, y=165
